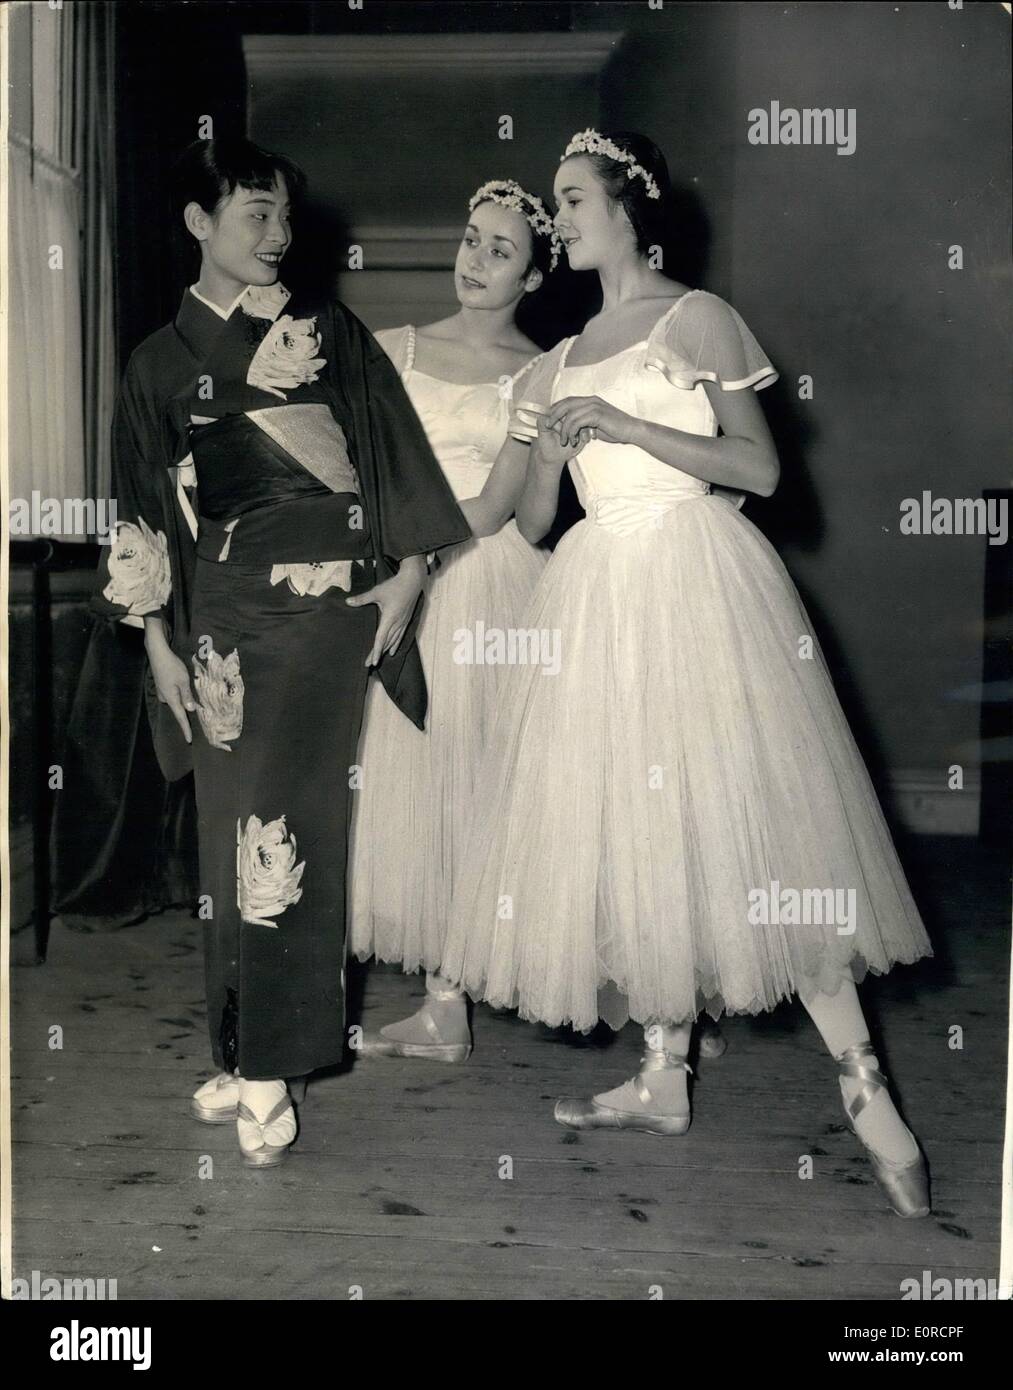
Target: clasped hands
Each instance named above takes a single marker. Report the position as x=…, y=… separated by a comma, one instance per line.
x=566, y=427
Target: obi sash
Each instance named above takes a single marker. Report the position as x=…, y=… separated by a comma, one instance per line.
x=273, y=489
x=303, y=530
x=251, y=460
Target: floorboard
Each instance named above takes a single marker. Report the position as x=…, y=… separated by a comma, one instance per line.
x=421, y=1181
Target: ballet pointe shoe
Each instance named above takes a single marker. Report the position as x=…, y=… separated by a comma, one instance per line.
x=438, y=1050
x=262, y=1139
x=214, y=1103
x=588, y=1113
x=377, y=1045
x=906, y=1184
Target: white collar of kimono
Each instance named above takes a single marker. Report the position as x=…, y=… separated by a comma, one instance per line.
x=222, y=313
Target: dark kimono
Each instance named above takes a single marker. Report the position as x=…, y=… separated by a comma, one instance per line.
x=266, y=466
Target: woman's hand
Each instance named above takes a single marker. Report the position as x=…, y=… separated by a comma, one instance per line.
x=579, y=418
x=396, y=599
x=172, y=679
x=552, y=448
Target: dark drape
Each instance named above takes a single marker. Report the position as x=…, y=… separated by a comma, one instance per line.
x=124, y=840
x=176, y=67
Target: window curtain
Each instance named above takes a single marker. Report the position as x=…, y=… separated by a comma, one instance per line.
x=62, y=367
x=95, y=159
x=46, y=386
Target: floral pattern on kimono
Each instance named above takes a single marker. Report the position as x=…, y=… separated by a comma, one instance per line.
x=218, y=685
x=267, y=876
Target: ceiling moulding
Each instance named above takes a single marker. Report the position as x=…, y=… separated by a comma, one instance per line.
x=508, y=55
x=406, y=248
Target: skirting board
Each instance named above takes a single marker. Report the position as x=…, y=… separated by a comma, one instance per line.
x=922, y=803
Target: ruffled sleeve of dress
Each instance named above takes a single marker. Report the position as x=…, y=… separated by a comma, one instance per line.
x=705, y=339
x=532, y=393
x=135, y=570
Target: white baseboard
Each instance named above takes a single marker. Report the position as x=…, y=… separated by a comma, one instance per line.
x=925, y=805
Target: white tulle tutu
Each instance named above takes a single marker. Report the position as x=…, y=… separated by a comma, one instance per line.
x=686, y=755
x=412, y=815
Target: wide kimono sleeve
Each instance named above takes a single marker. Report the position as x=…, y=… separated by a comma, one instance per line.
x=705, y=339
x=135, y=572
x=410, y=505
x=147, y=566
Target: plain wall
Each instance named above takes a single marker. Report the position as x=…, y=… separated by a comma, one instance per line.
x=839, y=265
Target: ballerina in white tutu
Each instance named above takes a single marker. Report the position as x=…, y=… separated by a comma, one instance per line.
x=679, y=819
x=412, y=811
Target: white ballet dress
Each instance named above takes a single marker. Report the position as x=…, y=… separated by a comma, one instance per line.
x=412, y=809
x=650, y=819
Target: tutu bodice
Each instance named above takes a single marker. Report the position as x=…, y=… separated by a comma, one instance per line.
x=466, y=424
x=620, y=486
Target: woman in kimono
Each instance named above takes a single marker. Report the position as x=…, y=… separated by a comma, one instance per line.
x=644, y=807
x=276, y=498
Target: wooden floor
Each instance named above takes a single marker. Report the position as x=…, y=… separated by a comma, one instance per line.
x=394, y=1184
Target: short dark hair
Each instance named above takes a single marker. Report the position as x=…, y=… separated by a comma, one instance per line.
x=541, y=253
x=209, y=171
x=650, y=218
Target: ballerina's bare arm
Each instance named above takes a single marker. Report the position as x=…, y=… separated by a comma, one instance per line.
x=496, y=503
x=742, y=456
x=539, y=499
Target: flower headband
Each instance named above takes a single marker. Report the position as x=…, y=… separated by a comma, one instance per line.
x=511, y=195
x=590, y=142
